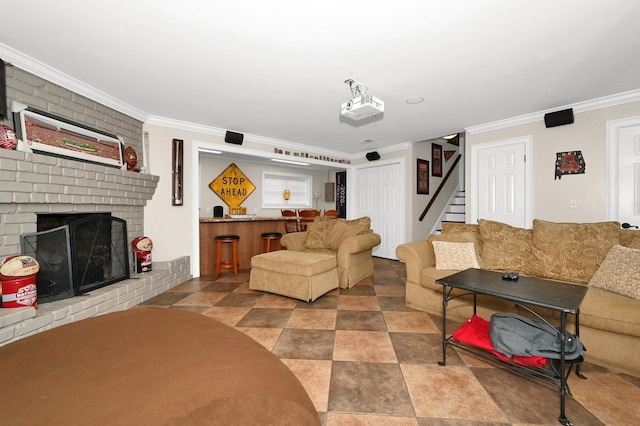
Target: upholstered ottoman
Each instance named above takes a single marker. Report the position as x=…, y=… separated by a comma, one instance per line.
x=301, y=275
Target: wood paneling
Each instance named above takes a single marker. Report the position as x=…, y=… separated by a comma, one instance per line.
x=249, y=245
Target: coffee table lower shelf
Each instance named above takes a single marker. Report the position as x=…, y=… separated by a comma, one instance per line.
x=548, y=375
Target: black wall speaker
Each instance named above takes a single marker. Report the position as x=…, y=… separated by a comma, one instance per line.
x=372, y=156
x=234, y=138
x=558, y=118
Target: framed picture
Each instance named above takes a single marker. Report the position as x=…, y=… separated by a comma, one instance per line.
x=436, y=158
x=49, y=134
x=177, y=164
x=422, y=180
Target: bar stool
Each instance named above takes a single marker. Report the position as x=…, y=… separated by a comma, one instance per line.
x=267, y=238
x=233, y=264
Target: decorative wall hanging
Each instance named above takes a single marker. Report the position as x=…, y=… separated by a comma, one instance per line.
x=436, y=159
x=422, y=180
x=341, y=193
x=448, y=155
x=569, y=163
x=454, y=140
x=54, y=135
x=232, y=186
x=177, y=164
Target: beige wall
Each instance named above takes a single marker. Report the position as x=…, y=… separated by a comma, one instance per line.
x=551, y=196
x=172, y=228
x=211, y=167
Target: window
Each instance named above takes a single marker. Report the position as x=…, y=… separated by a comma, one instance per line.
x=274, y=184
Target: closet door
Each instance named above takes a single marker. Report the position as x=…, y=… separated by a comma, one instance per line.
x=380, y=195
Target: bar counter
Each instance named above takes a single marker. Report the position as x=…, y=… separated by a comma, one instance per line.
x=248, y=229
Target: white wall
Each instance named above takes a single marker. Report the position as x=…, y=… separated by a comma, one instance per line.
x=551, y=196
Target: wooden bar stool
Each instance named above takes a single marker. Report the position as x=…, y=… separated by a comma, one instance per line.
x=233, y=264
x=267, y=238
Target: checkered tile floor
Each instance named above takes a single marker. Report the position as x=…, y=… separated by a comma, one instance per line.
x=366, y=359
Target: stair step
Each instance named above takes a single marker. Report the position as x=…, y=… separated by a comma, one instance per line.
x=455, y=217
x=456, y=208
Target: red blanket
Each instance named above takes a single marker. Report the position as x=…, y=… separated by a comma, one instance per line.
x=475, y=332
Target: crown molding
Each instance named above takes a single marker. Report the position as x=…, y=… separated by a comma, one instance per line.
x=35, y=67
x=269, y=142
x=604, y=102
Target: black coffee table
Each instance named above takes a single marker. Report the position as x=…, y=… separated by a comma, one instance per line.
x=528, y=293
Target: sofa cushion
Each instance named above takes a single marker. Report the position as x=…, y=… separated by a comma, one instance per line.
x=320, y=235
x=455, y=256
x=630, y=238
x=571, y=251
x=449, y=228
x=505, y=247
x=605, y=310
x=619, y=272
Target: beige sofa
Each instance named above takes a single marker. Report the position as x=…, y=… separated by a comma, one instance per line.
x=571, y=252
x=351, y=241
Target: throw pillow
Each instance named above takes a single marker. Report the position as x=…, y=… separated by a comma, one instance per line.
x=619, y=272
x=505, y=247
x=455, y=256
x=571, y=251
x=316, y=232
x=461, y=237
x=340, y=231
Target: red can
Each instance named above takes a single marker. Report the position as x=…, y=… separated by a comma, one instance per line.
x=20, y=292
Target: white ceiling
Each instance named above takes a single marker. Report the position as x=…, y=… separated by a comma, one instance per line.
x=277, y=69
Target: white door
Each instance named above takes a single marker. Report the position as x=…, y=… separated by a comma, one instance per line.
x=380, y=195
x=629, y=175
x=501, y=175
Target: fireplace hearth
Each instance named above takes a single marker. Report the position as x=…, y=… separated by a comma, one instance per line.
x=77, y=252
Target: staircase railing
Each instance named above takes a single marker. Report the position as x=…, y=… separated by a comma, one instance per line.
x=435, y=194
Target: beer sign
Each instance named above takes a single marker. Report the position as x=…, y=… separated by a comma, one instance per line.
x=232, y=186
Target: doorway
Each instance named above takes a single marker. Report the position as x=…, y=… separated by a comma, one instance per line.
x=380, y=195
x=623, y=164
x=501, y=181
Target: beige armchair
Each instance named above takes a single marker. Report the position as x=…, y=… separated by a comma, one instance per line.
x=353, y=255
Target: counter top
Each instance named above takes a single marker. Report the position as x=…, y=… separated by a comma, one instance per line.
x=245, y=219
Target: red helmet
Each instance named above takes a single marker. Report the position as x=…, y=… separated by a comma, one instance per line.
x=142, y=244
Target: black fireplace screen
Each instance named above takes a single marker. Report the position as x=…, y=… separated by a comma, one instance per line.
x=86, y=252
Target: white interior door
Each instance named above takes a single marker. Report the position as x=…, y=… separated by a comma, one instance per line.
x=501, y=175
x=623, y=170
x=380, y=195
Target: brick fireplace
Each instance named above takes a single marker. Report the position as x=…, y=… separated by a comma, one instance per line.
x=32, y=184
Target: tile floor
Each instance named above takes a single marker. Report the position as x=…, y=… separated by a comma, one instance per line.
x=366, y=359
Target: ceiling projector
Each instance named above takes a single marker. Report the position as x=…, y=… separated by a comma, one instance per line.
x=362, y=106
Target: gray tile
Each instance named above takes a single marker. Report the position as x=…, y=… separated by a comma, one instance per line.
x=358, y=290
x=419, y=348
x=265, y=318
x=393, y=304
x=524, y=400
x=165, y=299
x=363, y=387
x=324, y=302
x=244, y=300
x=305, y=344
x=360, y=320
